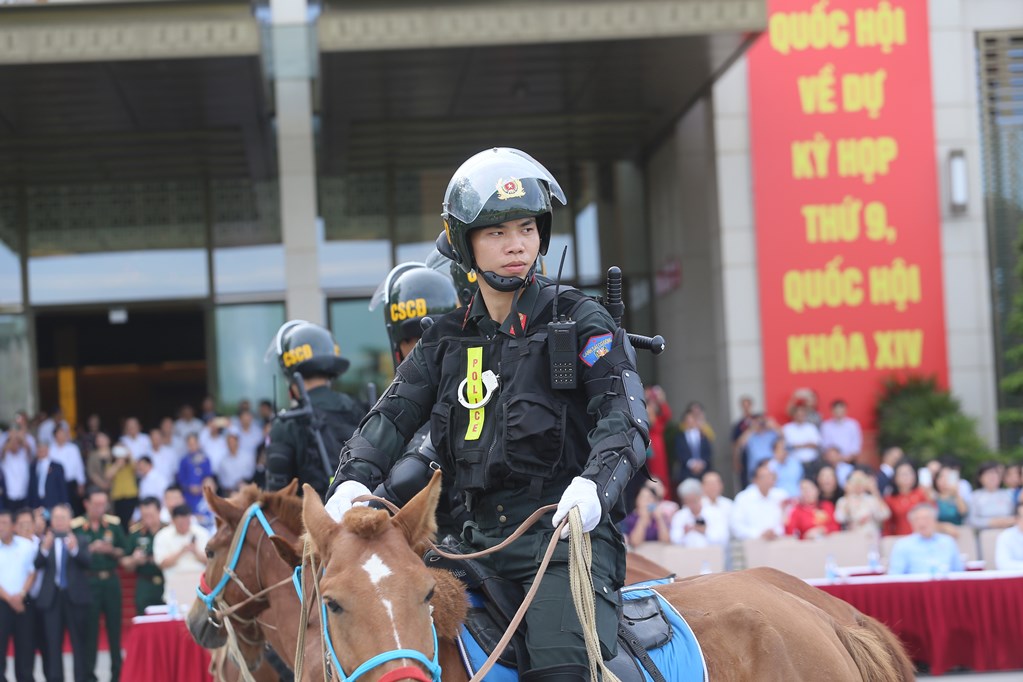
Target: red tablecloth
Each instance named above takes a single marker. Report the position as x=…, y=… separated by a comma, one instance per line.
x=164, y=651
x=947, y=623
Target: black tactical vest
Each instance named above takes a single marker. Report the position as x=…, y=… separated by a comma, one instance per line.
x=531, y=437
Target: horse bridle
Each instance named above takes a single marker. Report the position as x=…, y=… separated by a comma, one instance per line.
x=432, y=665
x=211, y=598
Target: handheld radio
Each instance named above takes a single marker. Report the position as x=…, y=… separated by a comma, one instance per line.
x=562, y=343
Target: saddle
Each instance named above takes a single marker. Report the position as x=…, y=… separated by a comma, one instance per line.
x=643, y=626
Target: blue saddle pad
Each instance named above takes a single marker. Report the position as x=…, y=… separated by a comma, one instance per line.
x=680, y=660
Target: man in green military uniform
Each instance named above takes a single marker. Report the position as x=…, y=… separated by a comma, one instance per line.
x=527, y=407
x=139, y=558
x=105, y=538
x=309, y=350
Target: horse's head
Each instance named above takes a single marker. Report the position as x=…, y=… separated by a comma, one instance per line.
x=375, y=589
x=219, y=587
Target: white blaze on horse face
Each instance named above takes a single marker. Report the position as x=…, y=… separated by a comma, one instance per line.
x=377, y=571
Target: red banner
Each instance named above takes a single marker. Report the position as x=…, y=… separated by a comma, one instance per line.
x=846, y=200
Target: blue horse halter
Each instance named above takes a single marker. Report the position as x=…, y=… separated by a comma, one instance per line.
x=256, y=511
x=432, y=666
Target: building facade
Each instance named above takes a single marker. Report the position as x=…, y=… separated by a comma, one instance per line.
x=179, y=178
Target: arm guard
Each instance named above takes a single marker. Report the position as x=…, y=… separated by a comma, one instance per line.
x=619, y=442
x=368, y=456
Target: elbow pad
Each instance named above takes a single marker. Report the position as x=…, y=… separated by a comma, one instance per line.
x=407, y=477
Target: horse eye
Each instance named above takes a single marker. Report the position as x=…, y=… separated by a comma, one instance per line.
x=209, y=553
x=429, y=596
x=334, y=607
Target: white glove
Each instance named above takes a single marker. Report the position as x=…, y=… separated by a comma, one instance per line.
x=582, y=493
x=341, y=500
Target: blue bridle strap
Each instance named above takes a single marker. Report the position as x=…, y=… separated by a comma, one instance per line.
x=254, y=510
x=432, y=666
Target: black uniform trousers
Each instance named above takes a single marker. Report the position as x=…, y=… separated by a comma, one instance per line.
x=62, y=615
x=20, y=627
x=553, y=633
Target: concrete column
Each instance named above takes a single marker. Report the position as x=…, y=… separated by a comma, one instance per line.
x=293, y=71
x=742, y=348
x=683, y=210
x=968, y=319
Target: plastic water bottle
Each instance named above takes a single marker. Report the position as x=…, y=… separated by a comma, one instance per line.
x=874, y=561
x=172, y=605
x=705, y=568
x=830, y=568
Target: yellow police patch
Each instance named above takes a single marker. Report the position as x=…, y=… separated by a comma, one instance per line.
x=474, y=392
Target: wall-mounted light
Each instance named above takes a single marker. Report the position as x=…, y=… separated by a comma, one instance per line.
x=958, y=181
x=117, y=316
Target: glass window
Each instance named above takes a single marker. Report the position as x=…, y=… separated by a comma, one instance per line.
x=249, y=269
x=360, y=333
x=10, y=263
x=243, y=333
x=15, y=367
x=354, y=242
x=116, y=242
x=248, y=256
x=121, y=276
x=10, y=276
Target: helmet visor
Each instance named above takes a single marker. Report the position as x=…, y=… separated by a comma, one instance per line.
x=383, y=292
x=276, y=347
x=494, y=171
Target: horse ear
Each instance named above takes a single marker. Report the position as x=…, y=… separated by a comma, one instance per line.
x=317, y=521
x=291, y=555
x=289, y=490
x=418, y=519
x=223, y=509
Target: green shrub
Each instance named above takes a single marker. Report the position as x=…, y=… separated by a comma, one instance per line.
x=927, y=422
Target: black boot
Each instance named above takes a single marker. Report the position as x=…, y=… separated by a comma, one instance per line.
x=569, y=672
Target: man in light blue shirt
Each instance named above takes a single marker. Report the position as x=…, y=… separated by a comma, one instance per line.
x=1009, y=547
x=926, y=550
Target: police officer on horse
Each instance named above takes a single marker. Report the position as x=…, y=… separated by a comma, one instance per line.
x=526, y=407
x=305, y=442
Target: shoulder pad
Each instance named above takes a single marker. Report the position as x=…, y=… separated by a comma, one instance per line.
x=78, y=522
x=110, y=518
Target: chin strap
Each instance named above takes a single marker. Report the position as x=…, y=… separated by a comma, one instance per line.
x=508, y=284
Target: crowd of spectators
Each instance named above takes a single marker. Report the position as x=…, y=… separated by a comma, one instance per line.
x=77, y=505
x=808, y=478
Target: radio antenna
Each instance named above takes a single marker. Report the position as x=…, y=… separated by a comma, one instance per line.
x=557, y=284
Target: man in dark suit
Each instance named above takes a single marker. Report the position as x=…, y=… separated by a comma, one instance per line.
x=46, y=484
x=692, y=448
x=64, y=596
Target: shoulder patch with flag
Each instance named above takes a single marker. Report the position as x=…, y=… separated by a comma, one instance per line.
x=596, y=348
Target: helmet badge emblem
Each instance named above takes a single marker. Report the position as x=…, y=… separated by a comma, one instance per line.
x=510, y=189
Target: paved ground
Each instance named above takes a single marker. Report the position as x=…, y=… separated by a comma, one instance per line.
x=1016, y=676
x=103, y=666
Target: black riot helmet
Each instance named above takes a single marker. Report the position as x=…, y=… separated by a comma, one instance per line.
x=308, y=349
x=493, y=187
x=465, y=282
x=410, y=292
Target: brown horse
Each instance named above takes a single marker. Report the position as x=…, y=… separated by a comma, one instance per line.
x=275, y=617
x=752, y=625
